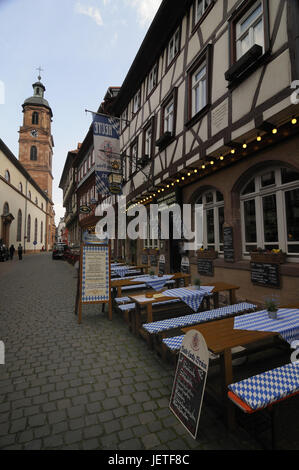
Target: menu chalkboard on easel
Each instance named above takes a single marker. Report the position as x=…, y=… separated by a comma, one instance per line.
x=190, y=380
x=205, y=266
x=228, y=244
x=265, y=274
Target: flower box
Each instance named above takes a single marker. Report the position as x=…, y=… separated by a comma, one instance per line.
x=264, y=257
x=207, y=254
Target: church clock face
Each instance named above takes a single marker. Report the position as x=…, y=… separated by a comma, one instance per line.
x=34, y=133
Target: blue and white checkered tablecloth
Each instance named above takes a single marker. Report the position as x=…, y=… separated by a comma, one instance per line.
x=195, y=318
x=155, y=282
x=287, y=323
x=119, y=270
x=266, y=388
x=191, y=297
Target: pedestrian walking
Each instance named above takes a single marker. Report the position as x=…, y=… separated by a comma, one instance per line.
x=11, y=251
x=20, y=251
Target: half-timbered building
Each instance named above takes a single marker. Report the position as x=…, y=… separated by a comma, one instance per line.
x=209, y=113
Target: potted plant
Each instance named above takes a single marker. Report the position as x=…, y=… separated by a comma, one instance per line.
x=261, y=255
x=197, y=283
x=207, y=253
x=271, y=306
x=152, y=273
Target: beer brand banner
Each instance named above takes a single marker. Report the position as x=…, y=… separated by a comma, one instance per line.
x=107, y=154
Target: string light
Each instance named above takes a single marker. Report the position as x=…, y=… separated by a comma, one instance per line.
x=274, y=131
x=258, y=138
x=195, y=171
x=177, y=181
x=183, y=177
x=203, y=166
x=232, y=151
x=244, y=145
x=221, y=157
x=211, y=162
x=189, y=174
x=294, y=120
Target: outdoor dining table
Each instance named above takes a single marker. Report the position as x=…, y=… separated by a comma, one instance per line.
x=221, y=337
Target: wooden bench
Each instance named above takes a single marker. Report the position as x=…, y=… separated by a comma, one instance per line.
x=263, y=391
x=168, y=327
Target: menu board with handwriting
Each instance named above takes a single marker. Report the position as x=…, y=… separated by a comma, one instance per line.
x=228, y=244
x=205, y=266
x=190, y=380
x=265, y=274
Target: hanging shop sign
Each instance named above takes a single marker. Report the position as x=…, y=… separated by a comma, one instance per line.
x=107, y=154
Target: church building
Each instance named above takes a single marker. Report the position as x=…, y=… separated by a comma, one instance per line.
x=26, y=183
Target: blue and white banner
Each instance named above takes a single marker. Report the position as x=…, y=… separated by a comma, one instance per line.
x=107, y=151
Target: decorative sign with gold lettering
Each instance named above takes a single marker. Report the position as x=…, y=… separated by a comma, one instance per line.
x=190, y=381
x=94, y=283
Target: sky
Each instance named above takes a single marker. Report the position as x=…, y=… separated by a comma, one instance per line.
x=83, y=47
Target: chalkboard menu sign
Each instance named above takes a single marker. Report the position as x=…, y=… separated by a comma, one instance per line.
x=190, y=380
x=228, y=244
x=205, y=266
x=265, y=274
x=144, y=259
x=162, y=264
x=153, y=260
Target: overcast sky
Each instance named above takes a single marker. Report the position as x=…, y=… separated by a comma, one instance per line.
x=83, y=46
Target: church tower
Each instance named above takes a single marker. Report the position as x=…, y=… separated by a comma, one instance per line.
x=36, y=141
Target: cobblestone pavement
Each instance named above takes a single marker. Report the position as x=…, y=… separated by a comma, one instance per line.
x=88, y=386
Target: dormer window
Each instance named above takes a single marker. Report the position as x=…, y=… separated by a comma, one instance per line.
x=37, y=90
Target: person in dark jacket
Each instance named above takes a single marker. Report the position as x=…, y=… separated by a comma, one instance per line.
x=20, y=251
x=11, y=251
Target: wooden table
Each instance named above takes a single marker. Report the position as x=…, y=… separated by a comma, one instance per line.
x=119, y=283
x=218, y=287
x=221, y=337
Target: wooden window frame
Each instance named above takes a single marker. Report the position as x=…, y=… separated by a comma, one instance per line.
x=149, y=125
x=169, y=63
x=233, y=21
x=204, y=57
x=197, y=23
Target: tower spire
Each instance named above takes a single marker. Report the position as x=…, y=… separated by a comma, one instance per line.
x=39, y=70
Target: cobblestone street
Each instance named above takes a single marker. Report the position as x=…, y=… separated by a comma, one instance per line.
x=88, y=386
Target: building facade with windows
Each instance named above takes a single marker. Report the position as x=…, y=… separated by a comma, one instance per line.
x=24, y=205
x=210, y=113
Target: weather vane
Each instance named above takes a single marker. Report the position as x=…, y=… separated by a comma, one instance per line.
x=40, y=70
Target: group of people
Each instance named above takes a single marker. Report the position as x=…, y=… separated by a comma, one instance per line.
x=12, y=251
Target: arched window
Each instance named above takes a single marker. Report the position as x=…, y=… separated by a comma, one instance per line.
x=41, y=231
x=35, y=230
x=28, y=227
x=35, y=117
x=33, y=153
x=270, y=211
x=213, y=219
x=19, y=227
x=5, y=208
x=20, y=187
x=7, y=176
